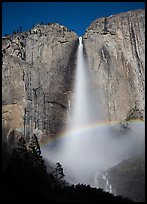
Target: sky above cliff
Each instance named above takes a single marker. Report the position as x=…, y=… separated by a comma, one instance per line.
x=76, y=16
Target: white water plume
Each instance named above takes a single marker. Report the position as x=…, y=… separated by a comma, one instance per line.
x=84, y=111
x=86, y=148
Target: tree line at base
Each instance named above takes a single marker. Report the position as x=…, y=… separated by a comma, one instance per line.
x=25, y=178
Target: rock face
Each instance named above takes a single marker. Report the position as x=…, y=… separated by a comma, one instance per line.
x=38, y=67
x=127, y=178
x=38, y=72
x=115, y=50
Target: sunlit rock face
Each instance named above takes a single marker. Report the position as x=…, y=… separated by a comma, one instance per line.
x=39, y=66
x=37, y=76
x=115, y=50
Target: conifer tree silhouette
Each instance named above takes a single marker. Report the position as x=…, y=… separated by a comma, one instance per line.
x=22, y=154
x=59, y=171
x=35, y=153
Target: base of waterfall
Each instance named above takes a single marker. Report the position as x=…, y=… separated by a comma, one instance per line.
x=126, y=178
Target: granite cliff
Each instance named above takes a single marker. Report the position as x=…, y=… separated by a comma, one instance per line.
x=38, y=72
x=37, y=77
x=115, y=50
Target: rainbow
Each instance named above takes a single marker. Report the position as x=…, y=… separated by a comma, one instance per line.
x=102, y=124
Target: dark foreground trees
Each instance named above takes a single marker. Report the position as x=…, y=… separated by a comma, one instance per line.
x=26, y=179
x=58, y=173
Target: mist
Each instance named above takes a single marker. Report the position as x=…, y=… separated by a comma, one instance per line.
x=89, y=146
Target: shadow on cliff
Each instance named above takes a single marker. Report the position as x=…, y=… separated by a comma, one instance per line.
x=69, y=75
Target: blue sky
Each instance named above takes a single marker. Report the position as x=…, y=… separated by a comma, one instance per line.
x=76, y=16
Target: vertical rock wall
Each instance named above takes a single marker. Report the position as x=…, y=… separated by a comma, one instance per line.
x=115, y=49
x=38, y=67
x=38, y=71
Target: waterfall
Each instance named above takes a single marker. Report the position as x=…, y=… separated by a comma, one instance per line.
x=87, y=146
x=83, y=110
x=108, y=187
x=78, y=148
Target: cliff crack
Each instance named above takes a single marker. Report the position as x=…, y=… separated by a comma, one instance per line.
x=57, y=103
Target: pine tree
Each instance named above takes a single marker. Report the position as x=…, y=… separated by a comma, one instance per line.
x=59, y=171
x=22, y=150
x=14, y=32
x=20, y=29
x=35, y=152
